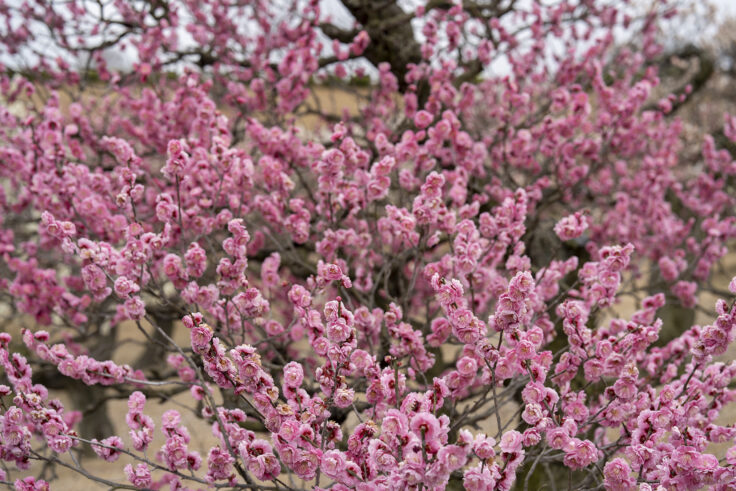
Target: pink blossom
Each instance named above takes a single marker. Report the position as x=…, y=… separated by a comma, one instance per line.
x=580, y=453
x=423, y=119
x=572, y=226
x=200, y=337
x=511, y=441
x=293, y=374
x=124, y=287
x=425, y=425
x=617, y=474
x=479, y=478
x=139, y=475
x=467, y=366
x=107, y=449
x=31, y=484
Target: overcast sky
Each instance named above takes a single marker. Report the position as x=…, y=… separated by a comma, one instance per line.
x=684, y=28
x=728, y=7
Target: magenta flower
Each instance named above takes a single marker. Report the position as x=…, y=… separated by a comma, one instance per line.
x=108, y=448
x=423, y=119
x=511, y=442
x=293, y=374
x=617, y=474
x=580, y=453
x=572, y=226
x=31, y=484
x=425, y=426
x=200, y=338
x=139, y=475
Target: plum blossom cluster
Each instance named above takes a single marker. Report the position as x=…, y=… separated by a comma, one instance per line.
x=424, y=294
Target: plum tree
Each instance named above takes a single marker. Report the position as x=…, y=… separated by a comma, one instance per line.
x=420, y=292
